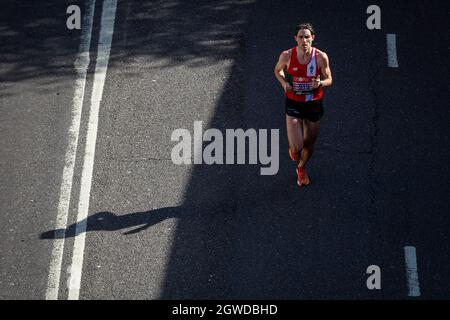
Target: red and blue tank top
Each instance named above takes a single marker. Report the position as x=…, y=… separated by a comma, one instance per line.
x=300, y=77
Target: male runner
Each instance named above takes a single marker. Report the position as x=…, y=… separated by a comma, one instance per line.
x=302, y=68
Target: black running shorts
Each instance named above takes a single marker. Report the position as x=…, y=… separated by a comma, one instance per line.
x=309, y=110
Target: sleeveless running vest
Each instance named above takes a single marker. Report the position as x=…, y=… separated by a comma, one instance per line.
x=300, y=77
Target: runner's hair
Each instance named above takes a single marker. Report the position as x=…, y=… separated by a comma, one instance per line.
x=305, y=25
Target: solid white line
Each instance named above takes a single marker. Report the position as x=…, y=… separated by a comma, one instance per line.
x=392, y=50
x=81, y=65
x=411, y=271
x=104, y=47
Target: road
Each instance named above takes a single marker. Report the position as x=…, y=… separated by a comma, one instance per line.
x=157, y=230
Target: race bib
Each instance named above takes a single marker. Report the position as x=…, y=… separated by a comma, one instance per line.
x=301, y=86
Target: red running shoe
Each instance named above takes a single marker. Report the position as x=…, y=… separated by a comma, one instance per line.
x=302, y=177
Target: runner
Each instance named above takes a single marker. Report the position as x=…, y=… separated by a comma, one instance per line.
x=299, y=71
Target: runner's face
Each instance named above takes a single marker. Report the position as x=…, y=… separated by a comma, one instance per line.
x=304, y=39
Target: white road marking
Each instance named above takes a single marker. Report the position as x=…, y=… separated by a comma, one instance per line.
x=104, y=48
x=411, y=271
x=81, y=66
x=392, y=50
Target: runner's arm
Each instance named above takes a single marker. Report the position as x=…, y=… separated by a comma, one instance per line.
x=327, y=79
x=279, y=67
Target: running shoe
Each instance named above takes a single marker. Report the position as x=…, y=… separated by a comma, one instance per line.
x=302, y=177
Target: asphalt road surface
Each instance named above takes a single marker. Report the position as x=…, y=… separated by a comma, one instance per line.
x=157, y=230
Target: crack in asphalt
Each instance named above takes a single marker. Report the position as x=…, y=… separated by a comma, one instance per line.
x=373, y=181
x=139, y=159
x=335, y=150
x=374, y=148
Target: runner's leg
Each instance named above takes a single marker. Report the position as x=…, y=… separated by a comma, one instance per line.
x=295, y=133
x=310, y=133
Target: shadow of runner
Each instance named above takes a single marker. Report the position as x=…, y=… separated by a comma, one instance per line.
x=108, y=221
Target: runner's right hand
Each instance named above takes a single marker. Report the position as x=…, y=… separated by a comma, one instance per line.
x=287, y=87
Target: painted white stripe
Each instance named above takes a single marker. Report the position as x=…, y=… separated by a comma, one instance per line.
x=81, y=65
x=411, y=271
x=104, y=48
x=392, y=50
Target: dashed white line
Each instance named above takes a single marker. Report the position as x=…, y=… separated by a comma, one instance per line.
x=411, y=271
x=391, y=42
x=81, y=65
x=103, y=51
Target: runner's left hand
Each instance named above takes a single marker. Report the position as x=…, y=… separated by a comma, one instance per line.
x=315, y=83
